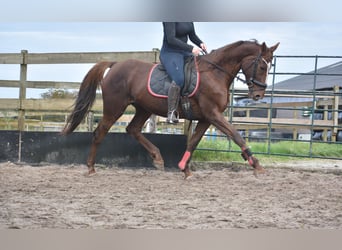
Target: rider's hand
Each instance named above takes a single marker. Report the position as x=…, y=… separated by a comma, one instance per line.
x=196, y=51
x=204, y=47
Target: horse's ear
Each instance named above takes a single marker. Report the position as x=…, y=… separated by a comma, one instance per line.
x=263, y=47
x=273, y=48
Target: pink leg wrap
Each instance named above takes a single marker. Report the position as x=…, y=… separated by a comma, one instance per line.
x=250, y=161
x=184, y=160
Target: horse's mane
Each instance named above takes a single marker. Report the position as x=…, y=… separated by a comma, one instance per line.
x=226, y=50
x=227, y=47
x=236, y=44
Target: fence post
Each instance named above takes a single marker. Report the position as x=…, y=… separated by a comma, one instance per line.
x=22, y=97
x=335, y=113
x=90, y=121
x=325, y=118
x=151, y=124
x=295, y=129
x=247, y=130
x=22, y=90
x=156, y=55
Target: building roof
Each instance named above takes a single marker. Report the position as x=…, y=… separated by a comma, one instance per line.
x=326, y=78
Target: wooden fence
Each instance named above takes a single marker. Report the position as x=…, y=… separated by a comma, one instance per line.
x=21, y=108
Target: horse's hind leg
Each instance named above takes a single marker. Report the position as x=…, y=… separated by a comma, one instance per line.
x=99, y=134
x=134, y=128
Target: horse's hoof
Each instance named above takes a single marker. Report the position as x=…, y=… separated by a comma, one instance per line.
x=258, y=171
x=159, y=165
x=188, y=177
x=90, y=173
x=187, y=174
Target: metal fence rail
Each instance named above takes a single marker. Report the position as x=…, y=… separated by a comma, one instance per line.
x=307, y=117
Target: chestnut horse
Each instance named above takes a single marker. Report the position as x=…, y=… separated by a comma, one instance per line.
x=126, y=83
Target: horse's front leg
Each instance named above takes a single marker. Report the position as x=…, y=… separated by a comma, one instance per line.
x=247, y=155
x=222, y=124
x=200, y=129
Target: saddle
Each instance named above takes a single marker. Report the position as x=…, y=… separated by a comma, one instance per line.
x=159, y=83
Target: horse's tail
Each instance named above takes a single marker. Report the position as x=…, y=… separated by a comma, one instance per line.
x=86, y=96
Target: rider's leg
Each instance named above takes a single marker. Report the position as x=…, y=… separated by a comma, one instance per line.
x=172, y=103
x=174, y=65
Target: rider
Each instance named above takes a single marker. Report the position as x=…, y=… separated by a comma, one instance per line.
x=173, y=52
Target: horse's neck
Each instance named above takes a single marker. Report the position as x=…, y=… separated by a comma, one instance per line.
x=230, y=57
x=230, y=64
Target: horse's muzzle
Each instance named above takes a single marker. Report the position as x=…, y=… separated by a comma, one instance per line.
x=256, y=89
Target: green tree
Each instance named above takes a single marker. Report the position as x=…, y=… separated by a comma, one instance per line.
x=58, y=94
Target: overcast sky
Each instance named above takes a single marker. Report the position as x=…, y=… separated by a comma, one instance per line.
x=296, y=38
x=51, y=32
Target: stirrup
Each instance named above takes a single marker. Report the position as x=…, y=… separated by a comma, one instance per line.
x=172, y=117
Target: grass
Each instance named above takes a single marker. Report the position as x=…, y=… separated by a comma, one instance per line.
x=221, y=150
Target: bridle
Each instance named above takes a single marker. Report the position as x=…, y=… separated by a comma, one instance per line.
x=252, y=81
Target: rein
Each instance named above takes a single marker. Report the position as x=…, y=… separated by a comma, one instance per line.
x=223, y=70
x=251, y=80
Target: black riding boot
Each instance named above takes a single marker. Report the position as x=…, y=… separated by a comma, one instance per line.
x=172, y=102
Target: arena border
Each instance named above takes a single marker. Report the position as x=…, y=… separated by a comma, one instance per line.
x=119, y=149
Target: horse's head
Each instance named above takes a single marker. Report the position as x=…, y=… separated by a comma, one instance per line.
x=256, y=68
